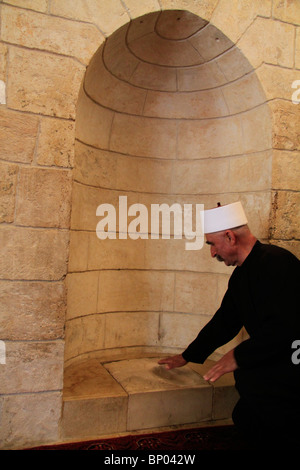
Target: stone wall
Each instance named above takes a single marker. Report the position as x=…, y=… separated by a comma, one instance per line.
x=45, y=48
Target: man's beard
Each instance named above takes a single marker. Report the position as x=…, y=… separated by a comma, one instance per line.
x=219, y=258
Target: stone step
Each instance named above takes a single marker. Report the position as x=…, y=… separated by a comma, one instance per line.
x=138, y=394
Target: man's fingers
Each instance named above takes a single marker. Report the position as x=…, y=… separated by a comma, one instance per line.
x=165, y=362
x=173, y=361
x=226, y=364
x=213, y=374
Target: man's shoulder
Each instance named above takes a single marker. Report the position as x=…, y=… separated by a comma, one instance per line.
x=269, y=251
x=267, y=259
x=273, y=261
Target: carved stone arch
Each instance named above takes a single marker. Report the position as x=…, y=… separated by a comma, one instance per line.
x=170, y=110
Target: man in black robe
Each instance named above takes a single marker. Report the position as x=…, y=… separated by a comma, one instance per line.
x=263, y=296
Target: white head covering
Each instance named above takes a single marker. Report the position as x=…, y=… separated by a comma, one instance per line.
x=224, y=218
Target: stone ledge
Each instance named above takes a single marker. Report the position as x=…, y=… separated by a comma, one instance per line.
x=136, y=394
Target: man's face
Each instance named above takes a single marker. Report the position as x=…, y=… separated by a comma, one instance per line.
x=222, y=247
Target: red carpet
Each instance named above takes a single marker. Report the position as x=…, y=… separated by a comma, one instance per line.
x=210, y=438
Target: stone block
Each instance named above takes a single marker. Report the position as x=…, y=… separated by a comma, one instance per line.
x=84, y=335
x=138, y=27
x=233, y=18
x=168, y=254
x=51, y=33
x=145, y=175
x=172, y=255
x=8, y=183
x=78, y=254
x=33, y=254
x=285, y=215
x=88, y=379
x=154, y=77
x=178, y=330
x=225, y=395
x=92, y=418
x=178, y=25
x=32, y=367
x=268, y=41
x=142, y=7
x=250, y=171
x=155, y=49
x=257, y=206
x=56, y=143
x=86, y=199
x=93, y=122
x=135, y=291
x=285, y=117
x=2, y=92
x=95, y=167
x=297, y=49
x=18, y=132
x=210, y=42
x=3, y=61
x=195, y=293
x=30, y=419
x=286, y=170
x=207, y=176
x=32, y=310
x=116, y=254
x=288, y=12
x=160, y=409
x=107, y=15
x=94, y=403
x=210, y=138
x=201, y=77
x=156, y=254
x=186, y=105
x=233, y=64
x=131, y=329
x=37, y=5
x=144, y=137
x=82, y=293
x=35, y=84
x=203, y=10
x=257, y=138
x=245, y=93
x=172, y=205
x=277, y=81
x=117, y=57
x=158, y=397
x=110, y=91
x=112, y=170
x=44, y=198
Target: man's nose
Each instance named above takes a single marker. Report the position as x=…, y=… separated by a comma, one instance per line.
x=213, y=251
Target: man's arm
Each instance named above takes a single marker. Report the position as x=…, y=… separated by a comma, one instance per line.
x=222, y=328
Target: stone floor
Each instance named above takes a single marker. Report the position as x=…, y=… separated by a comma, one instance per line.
x=138, y=394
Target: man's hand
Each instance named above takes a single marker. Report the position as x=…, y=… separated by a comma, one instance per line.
x=173, y=361
x=223, y=366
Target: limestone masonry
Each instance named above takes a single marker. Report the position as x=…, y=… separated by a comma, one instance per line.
x=162, y=101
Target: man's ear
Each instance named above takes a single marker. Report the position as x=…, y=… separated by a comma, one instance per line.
x=230, y=237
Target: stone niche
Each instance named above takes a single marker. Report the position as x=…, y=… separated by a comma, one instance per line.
x=169, y=111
